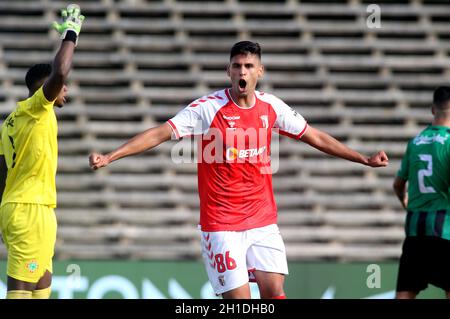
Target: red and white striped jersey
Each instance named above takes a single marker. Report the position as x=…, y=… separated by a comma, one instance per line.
x=234, y=173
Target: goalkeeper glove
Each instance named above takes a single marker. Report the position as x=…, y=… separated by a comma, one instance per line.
x=72, y=21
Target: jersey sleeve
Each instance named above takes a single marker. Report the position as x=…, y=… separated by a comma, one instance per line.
x=187, y=122
x=289, y=121
x=404, y=167
x=38, y=102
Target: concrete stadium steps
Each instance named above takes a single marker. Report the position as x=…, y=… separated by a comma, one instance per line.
x=163, y=235
x=184, y=216
x=126, y=216
x=124, y=251
x=340, y=218
x=188, y=182
x=344, y=253
x=172, y=198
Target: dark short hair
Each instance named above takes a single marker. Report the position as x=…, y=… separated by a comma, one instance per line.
x=245, y=47
x=36, y=73
x=441, y=96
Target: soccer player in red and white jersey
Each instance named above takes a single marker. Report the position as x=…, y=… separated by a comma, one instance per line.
x=238, y=214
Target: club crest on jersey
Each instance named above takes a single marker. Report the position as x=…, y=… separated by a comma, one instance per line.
x=265, y=121
x=10, y=121
x=32, y=266
x=221, y=280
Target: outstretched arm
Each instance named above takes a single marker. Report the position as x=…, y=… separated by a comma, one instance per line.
x=328, y=144
x=400, y=190
x=60, y=70
x=138, y=144
x=62, y=63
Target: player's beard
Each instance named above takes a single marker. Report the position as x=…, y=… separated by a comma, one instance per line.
x=60, y=102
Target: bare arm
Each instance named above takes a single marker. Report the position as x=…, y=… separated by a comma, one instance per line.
x=69, y=30
x=138, y=144
x=400, y=190
x=61, y=66
x=3, y=174
x=328, y=144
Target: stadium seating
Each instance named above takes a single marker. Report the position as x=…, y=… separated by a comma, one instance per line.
x=139, y=62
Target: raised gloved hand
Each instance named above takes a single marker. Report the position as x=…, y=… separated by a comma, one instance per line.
x=72, y=20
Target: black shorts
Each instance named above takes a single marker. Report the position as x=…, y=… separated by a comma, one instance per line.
x=425, y=260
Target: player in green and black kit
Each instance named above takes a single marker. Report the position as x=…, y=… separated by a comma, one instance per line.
x=426, y=167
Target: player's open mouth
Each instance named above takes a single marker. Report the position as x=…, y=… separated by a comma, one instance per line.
x=242, y=85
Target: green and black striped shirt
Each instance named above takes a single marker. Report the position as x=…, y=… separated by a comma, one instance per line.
x=426, y=167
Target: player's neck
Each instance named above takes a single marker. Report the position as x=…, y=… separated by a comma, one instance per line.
x=244, y=101
x=441, y=121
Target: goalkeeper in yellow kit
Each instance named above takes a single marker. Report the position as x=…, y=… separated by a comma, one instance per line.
x=28, y=160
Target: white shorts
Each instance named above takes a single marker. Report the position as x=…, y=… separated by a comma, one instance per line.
x=230, y=257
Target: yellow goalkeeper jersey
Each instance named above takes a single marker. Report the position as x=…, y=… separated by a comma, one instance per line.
x=29, y=145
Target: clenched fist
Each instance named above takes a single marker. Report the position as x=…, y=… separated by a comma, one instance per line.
x=97, y=160
x=380, y=159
